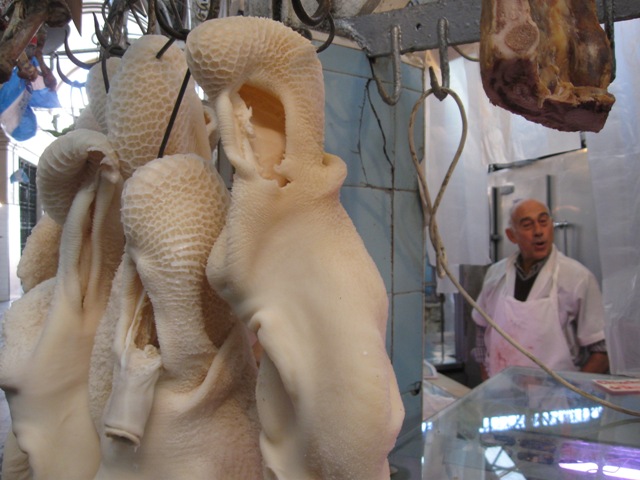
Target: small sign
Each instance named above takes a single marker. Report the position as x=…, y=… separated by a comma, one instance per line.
x=626, y=385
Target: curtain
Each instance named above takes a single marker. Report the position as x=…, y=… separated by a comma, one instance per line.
x=614, y=160
x=494, y=136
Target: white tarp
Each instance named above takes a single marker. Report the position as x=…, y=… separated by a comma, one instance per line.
x=494, y=136
x=614, y=159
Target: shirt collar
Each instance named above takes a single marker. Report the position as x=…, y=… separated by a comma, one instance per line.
x=533, y=271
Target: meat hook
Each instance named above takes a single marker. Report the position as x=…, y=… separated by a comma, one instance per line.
x=165, y=48
x=151, y=16
x=321, y=15
x=332, y=34
x=464, y=55
x=63, y=77
x=324, y=9
x=137, y=17
x=174, y=9
x=609, y=29
x=115, y=50
x=167, y=27
x=105, y=17
x=77, y=62
x=105, y=73
x=174, y=113
x=396, y=64
x=440, y=91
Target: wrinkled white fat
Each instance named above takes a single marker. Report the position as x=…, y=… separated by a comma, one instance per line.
x=140, y=103
x=291, y=264
x=96, y=91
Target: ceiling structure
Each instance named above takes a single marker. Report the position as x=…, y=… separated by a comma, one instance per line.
x=418, y=24
x=369, y=22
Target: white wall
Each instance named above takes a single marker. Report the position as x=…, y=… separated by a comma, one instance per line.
x=614, y=157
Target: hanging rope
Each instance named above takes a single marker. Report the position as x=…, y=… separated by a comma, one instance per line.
x=442, y=267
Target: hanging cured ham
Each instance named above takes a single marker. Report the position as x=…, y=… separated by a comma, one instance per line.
x=549, y=61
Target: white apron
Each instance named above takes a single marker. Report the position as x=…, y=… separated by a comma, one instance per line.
x=535, y=324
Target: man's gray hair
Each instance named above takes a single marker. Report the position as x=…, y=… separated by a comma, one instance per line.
x=519, y=201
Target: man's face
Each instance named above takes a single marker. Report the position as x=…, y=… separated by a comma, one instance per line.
x=532, y=231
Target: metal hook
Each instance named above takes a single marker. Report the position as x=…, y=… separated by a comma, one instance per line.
x=164, y=24
x=64, y=78
x=397, y=75
x=443, y=44
x=609, y=29
x=105, y=73
x=105, y=18
x=137, y=17
x=324, y=8
x=164, y=48
x=174, y=113
x=70, y=56
x=151, y=17
x=174, y=9
x=104, y=43
x=321, y=15
x=332, y=34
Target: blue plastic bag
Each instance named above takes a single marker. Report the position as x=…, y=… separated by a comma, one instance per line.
x=14, y=102
x=17, y=97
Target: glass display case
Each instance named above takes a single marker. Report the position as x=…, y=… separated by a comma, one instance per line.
x=524, y=425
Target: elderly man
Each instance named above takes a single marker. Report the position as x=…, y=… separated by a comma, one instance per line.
x=549, y=303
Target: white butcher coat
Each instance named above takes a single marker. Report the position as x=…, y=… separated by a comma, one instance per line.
x=564, y=286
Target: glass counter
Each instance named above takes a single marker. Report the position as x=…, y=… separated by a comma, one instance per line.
x=524, y=425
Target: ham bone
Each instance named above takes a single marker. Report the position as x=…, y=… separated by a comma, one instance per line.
x=550, y=62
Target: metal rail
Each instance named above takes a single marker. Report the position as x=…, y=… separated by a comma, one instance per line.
x=419, y=25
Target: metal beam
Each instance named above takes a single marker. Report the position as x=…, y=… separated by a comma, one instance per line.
x=419, y=24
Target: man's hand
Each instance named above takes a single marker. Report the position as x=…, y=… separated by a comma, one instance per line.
x=598, y=362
